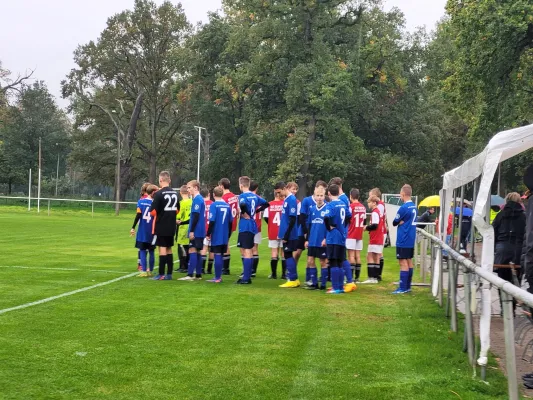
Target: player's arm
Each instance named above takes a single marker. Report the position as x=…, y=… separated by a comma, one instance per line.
x=328, y=221
x=265, y=216
x=211, y=228
x=302, y=220
x=374, y=222
x=244, y=209
x=138, y=217
x=263, y=205
x=399, y=216
x=292, y=222
x=156, y=205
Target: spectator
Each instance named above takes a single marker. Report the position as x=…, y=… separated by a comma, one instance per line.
x=448, y=231
x=466, y=226
x=509, y=229
x=426, y=217
x=528, y=240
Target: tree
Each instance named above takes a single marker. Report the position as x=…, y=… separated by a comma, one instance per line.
x=136, y=61
x=33, y=116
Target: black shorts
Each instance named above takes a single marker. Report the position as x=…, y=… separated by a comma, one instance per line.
x=317, y=252
x=246, y=240
x=301, y=243
x=336, y=252
x=144, y=246
x=163, y=241
x=197, y=243
x=291, y=245
x=221, y=249
x=404, y=253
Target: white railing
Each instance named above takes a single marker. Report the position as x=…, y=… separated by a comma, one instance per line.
x=508, y=293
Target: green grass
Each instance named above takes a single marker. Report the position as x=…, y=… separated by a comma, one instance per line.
x=142, y=339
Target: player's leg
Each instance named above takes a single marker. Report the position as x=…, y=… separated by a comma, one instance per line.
x=404, y=271
x=170, y=260
x=358, y=249
x=274, y=258
x=151, y=253
x=311, y=272
x=246, y=245
x=198, y=244
x=336, y=275
x=143, y=262
x=210, y=262
x=345, y=265
x=192, y=264
x=323, y=273
x=410, y=266
x=205, y=250
x=381, y=264
x=218, y=253
x=283, y=261
x=257, y=242
x=369, y=266
x=292, y=272
x=227, y=262
x=162, y=262
x=139, y=266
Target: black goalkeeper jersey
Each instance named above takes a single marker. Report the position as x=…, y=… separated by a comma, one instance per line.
x=166, y=206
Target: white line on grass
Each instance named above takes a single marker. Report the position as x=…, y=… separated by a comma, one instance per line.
x=36, y=303
x=63, y=269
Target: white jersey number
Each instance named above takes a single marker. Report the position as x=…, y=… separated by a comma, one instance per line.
x=359, y=220
x=225, y=213
x=277, y=219
x=147, y=216
x=172, y=202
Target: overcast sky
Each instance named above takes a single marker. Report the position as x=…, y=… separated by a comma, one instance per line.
x=42, y=35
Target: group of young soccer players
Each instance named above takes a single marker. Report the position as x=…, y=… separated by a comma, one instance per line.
x=328, y=224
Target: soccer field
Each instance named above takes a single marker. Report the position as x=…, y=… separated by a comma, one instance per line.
x=141, y=339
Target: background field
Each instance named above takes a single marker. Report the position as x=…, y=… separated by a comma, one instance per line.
x=142, y=339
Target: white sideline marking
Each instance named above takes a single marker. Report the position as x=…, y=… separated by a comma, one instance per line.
x=36, y=303
x=63, y=269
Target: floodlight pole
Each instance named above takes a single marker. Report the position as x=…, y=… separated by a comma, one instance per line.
x=39, y=182
x=199, y=144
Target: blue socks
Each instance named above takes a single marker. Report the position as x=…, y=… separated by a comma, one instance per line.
x=410, y=278
x=219, y=263
x=192, y=264
x=404, y=280
x=142, y=258
x=313, y=275
x=199, y=264
x=336, y=273
x=247, y=269
x=292, y=274
x=323, y=277
x=152, y=259
x=347, y=271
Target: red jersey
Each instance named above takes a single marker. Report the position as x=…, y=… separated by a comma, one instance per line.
x=233, y=202
x=207, y=206
x=383, y=215
x=273, y=213
x=376, y=236
x=355, y=230
x=258, y=222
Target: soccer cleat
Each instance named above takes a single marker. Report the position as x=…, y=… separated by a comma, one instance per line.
x=143, y=275
x=225, y=272
x=291, y=284
x=243, y=282
x=408, y=290
x=253, y=275
x=350, y=287
x=272, y=277
x=167, y=277
x=156, y=278
x=150, y=273
x=311, y=287
x=329, y=290
x=322, y=287
x=335, y=291
x=283, y=276
x=198, y=278
x=161, y=278
x=214, y=280
x=187, y=278
x=139, y=268
x=399, y=291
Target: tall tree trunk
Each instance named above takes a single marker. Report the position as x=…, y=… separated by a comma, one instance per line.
x=153, y=143
x=9, y=187
x=304, y=170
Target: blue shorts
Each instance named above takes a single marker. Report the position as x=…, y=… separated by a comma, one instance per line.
x=336, y=252
x=317, y=252
x=246, y=240
x=404, y=253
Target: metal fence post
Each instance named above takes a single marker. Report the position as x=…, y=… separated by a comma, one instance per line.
x=510, y=356
x=452, y=295
x=92, y=209
x=48, y=207
x=468, y=319
x=441, y=280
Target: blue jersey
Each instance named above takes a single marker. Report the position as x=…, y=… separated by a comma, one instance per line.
x=406, y=235
x=198, y=208
x=252, y=202
x=337, y=212
x=144, y=234
x=345, y=199
x=316, y=226
x=220, y=215
x=305, y=206
x=290, y=209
